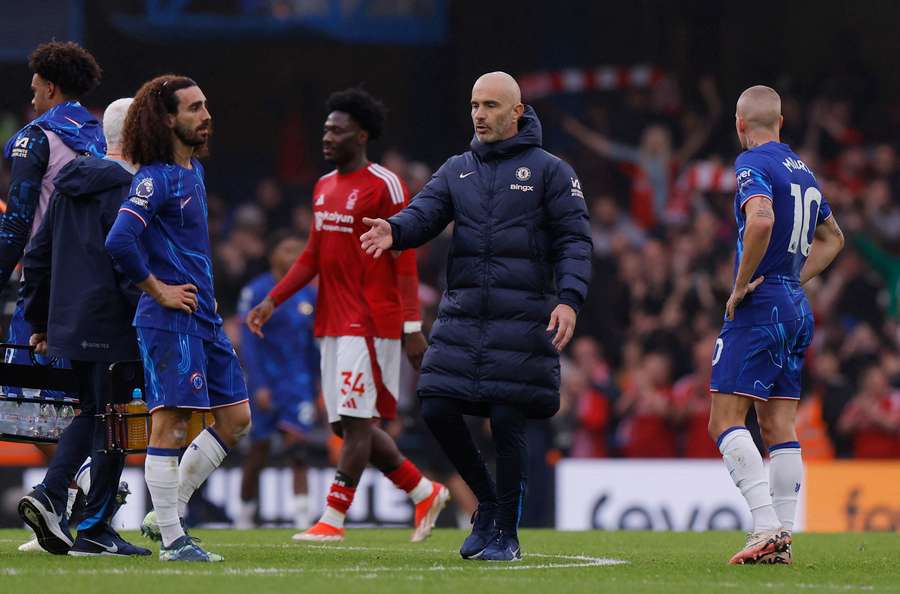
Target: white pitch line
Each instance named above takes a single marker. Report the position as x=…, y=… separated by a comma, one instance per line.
x=574, y=560
x=570, y=561
x=779, y=586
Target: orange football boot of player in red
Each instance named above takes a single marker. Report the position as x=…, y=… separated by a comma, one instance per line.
x=320, y=532
x=428, y=510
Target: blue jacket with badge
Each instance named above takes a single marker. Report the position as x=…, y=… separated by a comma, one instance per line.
x=72, y=289
x=521, y=245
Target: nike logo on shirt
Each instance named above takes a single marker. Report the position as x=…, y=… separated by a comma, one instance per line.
x=77, y=125
x=465, y=175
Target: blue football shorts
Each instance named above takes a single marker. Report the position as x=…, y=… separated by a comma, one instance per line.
x=763, y=361
x=186, y=371
x=291, y=412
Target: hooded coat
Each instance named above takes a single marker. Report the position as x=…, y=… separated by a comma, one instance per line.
x=521, y=245
x=72, y=290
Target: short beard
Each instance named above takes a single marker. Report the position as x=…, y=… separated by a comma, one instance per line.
x=191, y=137
x=497, y=132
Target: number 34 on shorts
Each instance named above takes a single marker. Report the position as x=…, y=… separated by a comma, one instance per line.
x=360, y=376
x=352, y=385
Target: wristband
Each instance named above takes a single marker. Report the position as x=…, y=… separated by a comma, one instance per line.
x=412, y=327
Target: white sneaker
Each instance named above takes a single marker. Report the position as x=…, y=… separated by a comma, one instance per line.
x=760, y=544
x=32, y=546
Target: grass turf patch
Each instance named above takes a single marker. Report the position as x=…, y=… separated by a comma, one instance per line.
x=375, y=561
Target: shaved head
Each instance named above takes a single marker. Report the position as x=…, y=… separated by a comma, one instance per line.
x=496, y=106
x=760, y=106
x=758, y=112
x=500, y=84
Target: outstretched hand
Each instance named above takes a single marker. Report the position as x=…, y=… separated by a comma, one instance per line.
x=377, y=239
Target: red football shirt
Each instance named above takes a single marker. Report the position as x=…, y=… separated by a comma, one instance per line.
x=358, y=295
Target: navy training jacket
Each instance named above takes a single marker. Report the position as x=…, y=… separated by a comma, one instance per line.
x=521, y=245
x=72, y=289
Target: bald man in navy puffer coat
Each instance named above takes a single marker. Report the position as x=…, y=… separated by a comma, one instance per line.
x=517, y=274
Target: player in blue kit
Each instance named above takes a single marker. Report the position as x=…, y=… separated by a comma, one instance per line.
x=787, y=235
x=282, y=374
x=160, y=240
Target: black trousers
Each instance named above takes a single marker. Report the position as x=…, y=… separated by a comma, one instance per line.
x=84, y=437
x=444, y=416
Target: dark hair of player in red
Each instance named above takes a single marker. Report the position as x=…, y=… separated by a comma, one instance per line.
x=146, y=138
x=67, y=65
x=367, y=111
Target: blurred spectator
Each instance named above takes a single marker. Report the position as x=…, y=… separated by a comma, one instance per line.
x=691, y=402
x=834, y=391
x=275, y=210
x=646, y=430
x=886, y=264
x=584, y=416
x=654, y=164
x=611, y=231
x=872, y=418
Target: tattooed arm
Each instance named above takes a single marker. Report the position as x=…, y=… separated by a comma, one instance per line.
x=757, y=233
x=827, y=243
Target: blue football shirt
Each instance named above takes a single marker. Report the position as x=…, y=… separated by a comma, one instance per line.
x=287, y=360
x=170, y=202
x=773, y=170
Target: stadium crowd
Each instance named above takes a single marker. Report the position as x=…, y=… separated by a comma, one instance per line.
x=657, y=169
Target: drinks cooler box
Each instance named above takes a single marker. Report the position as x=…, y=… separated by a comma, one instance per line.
x=29, y=416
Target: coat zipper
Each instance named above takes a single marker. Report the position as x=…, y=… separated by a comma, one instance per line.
x=484, y=274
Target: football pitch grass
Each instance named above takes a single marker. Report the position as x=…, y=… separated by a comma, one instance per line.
x=373, y=561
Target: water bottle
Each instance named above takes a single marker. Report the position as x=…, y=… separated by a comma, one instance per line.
x=47, y=421
x=64, y=418
x=136, y=425
x=26, y=423
x=8, y=417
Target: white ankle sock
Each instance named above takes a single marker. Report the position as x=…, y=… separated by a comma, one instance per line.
x=785, y=477
x=83, y=483
x=421, y=491
x=70, y=501
x=83, y=477
x=161, y=475
x=745, y=465
x=202, y=456
x=333, y=517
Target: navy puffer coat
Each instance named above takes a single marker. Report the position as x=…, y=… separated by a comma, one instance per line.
x=521, y=245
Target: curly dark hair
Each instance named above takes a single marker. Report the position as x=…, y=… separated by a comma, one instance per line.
x=146, y=138
x=365, y=109
x=67, y=65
